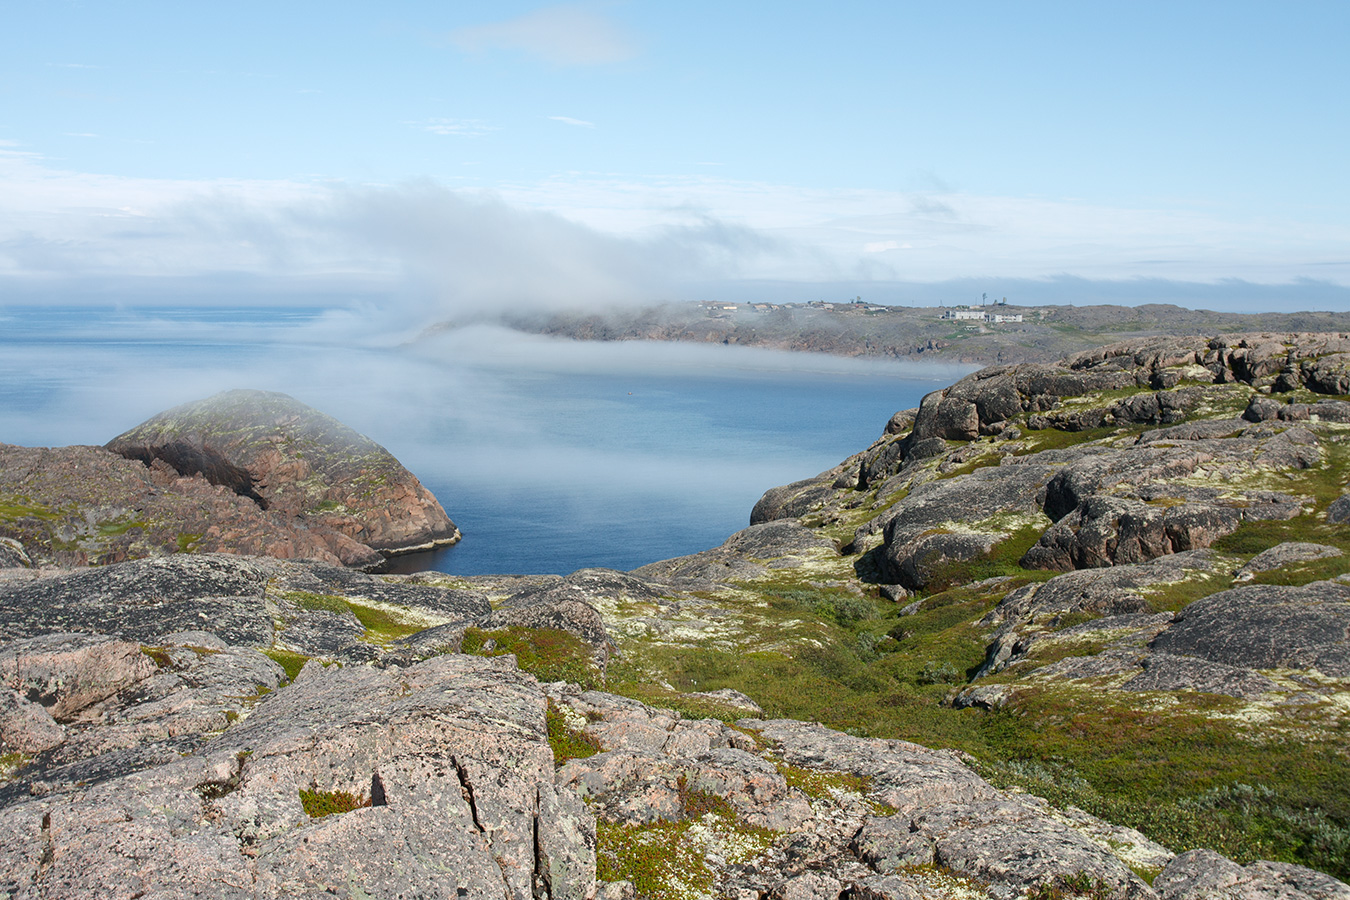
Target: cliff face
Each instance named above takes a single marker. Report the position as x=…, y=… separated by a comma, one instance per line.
x=242, y=472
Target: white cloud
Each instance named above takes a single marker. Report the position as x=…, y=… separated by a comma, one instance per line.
x=589, y=241
x=568, y=120
x=456, y=127
x=569, y=34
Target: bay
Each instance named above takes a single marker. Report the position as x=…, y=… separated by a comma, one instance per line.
x=550, y=455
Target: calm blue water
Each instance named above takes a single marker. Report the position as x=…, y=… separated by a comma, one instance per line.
x=549, y=455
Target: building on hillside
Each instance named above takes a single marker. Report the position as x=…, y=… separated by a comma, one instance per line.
x=973, y=315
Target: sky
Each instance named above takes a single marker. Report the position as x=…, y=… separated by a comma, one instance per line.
x=446, y=158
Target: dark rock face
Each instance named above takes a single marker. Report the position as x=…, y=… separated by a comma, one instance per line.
x=1164, y=672
x=295, y=460
x=1107, y=531
x=1267, y=627
x=145, y=599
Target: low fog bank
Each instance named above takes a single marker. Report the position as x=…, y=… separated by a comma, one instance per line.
x=554, y=453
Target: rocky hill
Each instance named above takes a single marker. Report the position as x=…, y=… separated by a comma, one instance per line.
x=241, y=472
x=1113, y=593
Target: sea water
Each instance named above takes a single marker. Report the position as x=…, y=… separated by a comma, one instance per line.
x=550, y=455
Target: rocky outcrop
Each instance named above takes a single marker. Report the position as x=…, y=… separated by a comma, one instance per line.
x=748, y=553
x=434, y=780
x=293, y=459
x=244, y=472
x=1267, y=627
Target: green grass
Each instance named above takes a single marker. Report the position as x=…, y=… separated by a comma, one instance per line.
x=1171, y=774
x=382, y=626
x=565, y=741
x=119, y=527
x=289, y=661
x=318, y=804
x=546, y=653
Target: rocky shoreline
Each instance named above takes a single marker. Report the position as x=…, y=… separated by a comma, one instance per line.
x=1147, y=538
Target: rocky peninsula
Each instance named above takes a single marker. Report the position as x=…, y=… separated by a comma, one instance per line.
x=250, y=472
x=1070, y=629
x=985, y=334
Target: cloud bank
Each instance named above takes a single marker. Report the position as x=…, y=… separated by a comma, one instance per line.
x=430, y=252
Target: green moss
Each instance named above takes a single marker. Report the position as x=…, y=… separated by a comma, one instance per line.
x=382, y=625
x=546, y=653
x=1002, y=560
x=821, y=785
x=118, y=527
x=669, y=860
x=159, y=656
x=318, y=804
x=15, y=507
x=188, y=541
x=565, y=741
x=1055, y=439
x=289, y=661
x=11, y=763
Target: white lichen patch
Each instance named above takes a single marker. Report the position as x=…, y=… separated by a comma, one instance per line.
x=406, y=615
x=942, y=883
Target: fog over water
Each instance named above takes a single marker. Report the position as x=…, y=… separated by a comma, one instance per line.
x=550, y=455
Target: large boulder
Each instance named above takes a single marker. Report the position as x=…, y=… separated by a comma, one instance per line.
x=290, y=458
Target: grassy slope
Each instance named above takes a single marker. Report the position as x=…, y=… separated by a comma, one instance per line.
x=1189, y=770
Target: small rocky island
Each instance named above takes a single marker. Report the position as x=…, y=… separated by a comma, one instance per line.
x=1113, y=589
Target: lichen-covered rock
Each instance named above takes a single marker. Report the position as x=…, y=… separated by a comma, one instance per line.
x=290, y=458
x=144, y=599
x=445, y=762
x=1205, y=875
x=1108, y=531
x=1282, y=555
x=12, y=555
x=1267, y=627
x=748, y=553
x=1165, y=672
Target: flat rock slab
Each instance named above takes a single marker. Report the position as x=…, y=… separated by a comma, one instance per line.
x=1267, y=627
x=144, y=599
x=448, y=756
x=1165, y=672
x=1285, y=554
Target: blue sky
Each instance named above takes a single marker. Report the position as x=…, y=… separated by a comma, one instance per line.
x=459, y=156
